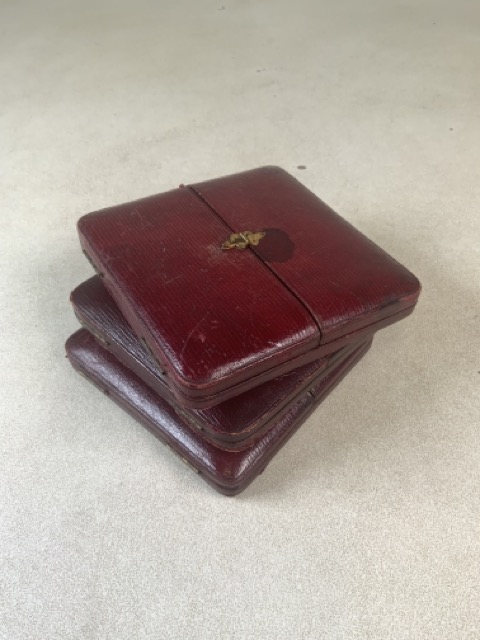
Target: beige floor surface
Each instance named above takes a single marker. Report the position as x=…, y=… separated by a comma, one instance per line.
x=367, y=525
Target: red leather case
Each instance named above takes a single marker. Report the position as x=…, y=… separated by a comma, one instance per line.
x=233, y=424
x=222, y=321
x=229, y=472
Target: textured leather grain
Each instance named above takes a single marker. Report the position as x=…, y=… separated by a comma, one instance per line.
x=229, y=472
x=216, y=320
x=345, y=280
x=232, y=424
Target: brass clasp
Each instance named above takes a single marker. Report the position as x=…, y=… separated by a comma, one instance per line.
x=243, y=239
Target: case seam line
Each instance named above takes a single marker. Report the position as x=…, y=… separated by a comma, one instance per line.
x=265, y=264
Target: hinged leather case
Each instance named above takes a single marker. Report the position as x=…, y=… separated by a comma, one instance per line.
x=229, y=472
x=232, y=424
x=231, y=282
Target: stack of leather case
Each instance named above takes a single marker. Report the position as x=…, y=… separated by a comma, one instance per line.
x=224, y=312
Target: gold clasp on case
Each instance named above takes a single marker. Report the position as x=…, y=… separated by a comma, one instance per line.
x=243, y=239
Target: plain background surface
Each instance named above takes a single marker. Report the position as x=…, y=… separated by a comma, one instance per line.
x=367, y=524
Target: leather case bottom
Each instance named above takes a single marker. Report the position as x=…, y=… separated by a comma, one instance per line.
x=233, y=424
x=229, y=472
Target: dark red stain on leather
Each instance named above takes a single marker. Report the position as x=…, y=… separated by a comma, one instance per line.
x=275, y=246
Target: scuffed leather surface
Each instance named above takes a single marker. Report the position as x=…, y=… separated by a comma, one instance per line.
x=344, y=279
x=233, y=423
x=228, y=472
x=206, y=314
x=217, y=320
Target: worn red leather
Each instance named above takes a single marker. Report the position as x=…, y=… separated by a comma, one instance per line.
x=229, y=472
x=233, y=424
x=222, y=321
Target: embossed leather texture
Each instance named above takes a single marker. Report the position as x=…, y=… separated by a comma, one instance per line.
x=229, y=472
x=233, y=424
x=216, y=320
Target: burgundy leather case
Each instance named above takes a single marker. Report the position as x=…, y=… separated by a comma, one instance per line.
x=233, y=424
x=229, y=472
x=221, y=321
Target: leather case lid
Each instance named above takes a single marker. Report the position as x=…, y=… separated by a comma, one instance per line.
x=233, y=423
x=345, y=280
x=206, y=314
x=229, y=472
x=213, y=318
